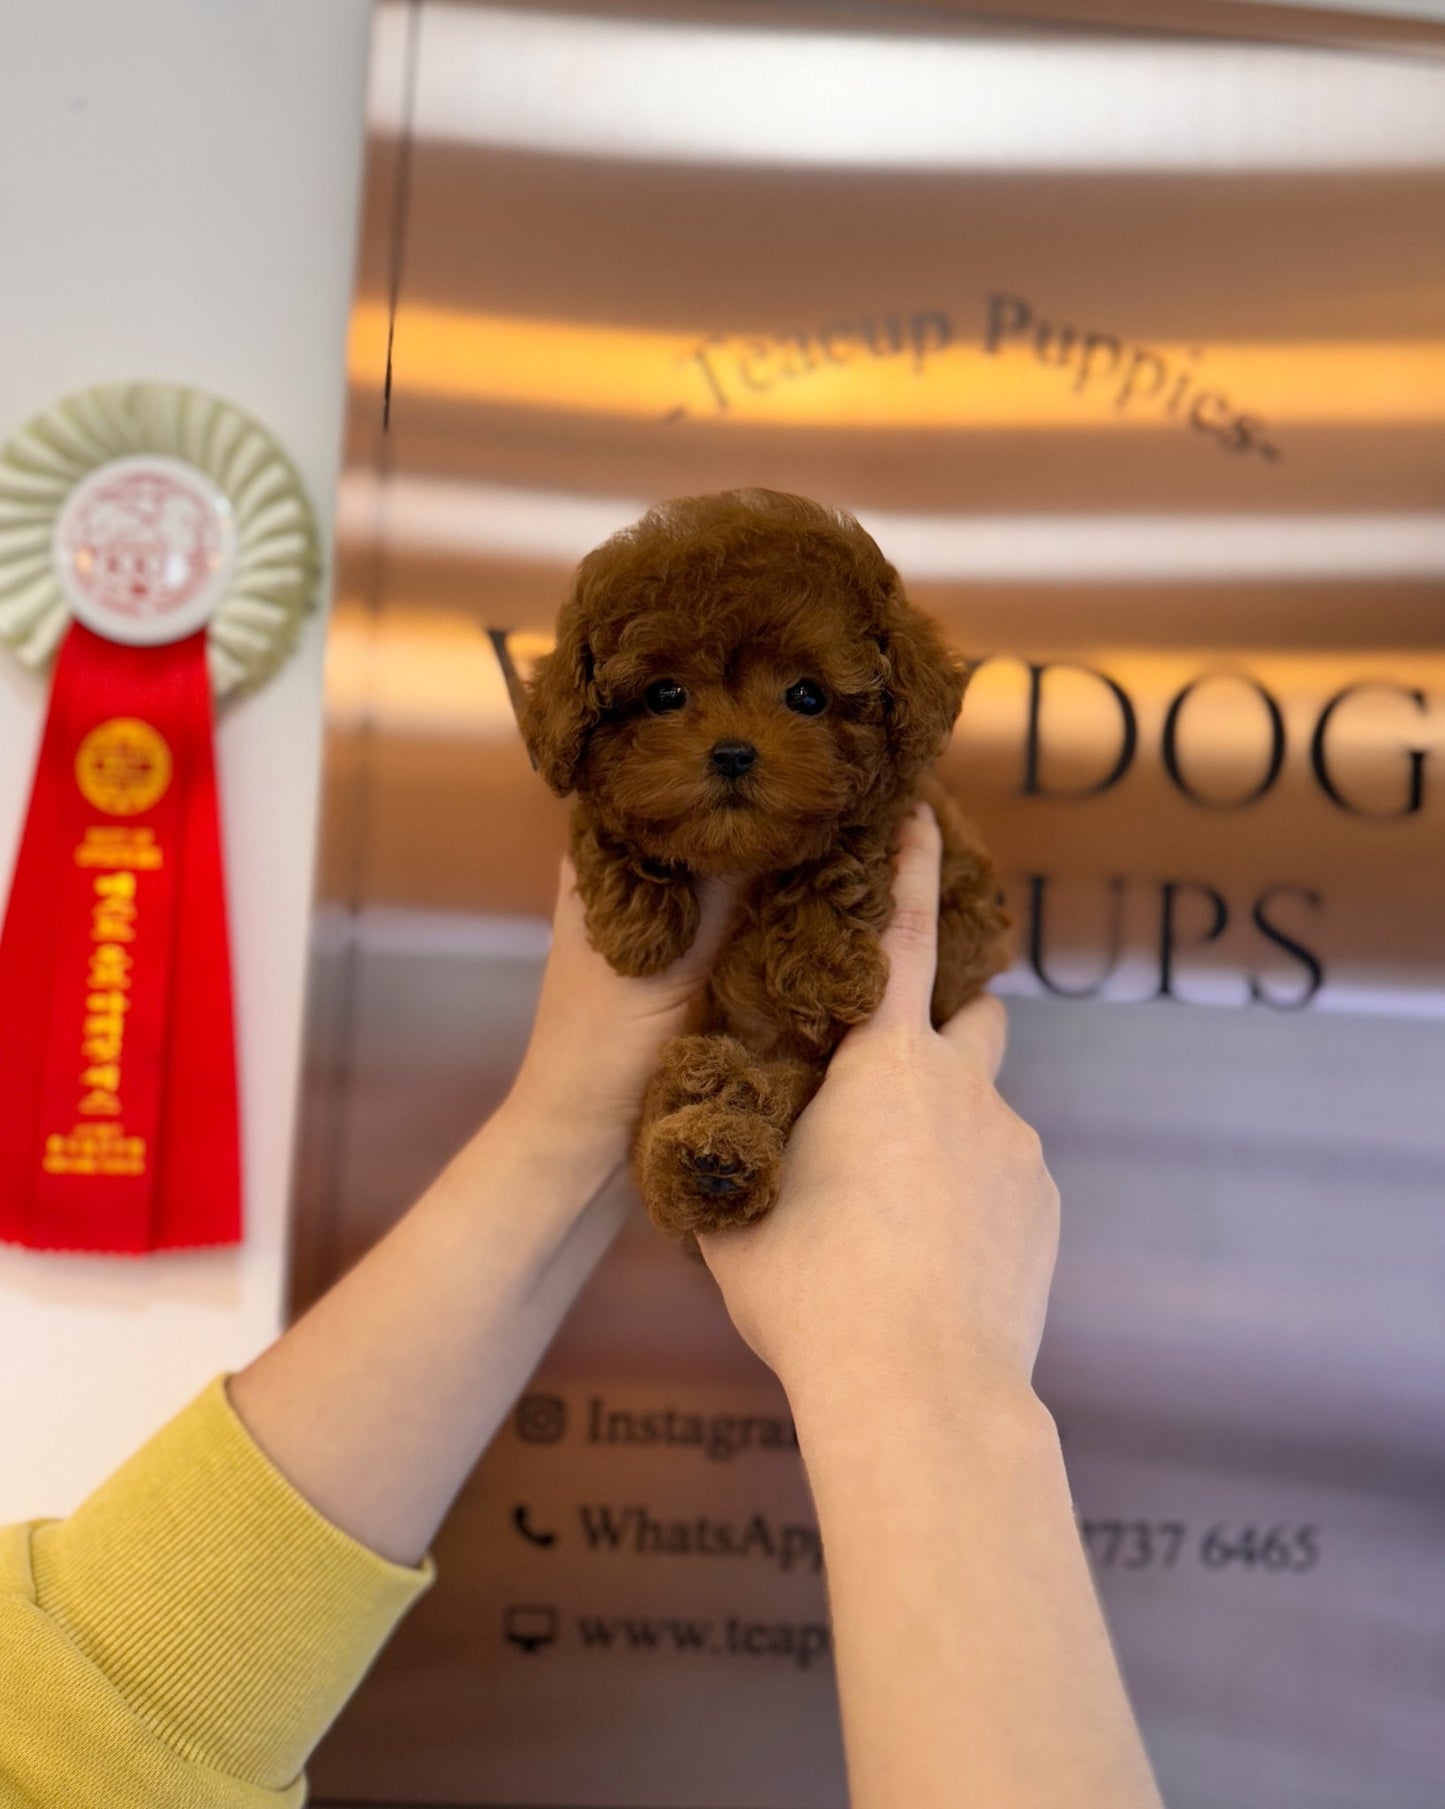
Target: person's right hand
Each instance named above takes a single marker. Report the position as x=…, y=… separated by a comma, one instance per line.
x=898, y=1288
x=913, y=1242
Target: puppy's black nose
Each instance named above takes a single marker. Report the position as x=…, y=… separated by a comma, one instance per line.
x=733, y=758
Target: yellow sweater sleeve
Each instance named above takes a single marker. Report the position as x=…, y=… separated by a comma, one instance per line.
x=186, y=1637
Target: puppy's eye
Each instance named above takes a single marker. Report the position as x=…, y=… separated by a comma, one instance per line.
x=806, y=698
x=666, y=694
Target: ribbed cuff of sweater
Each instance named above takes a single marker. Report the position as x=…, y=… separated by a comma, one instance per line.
x=232, y=1617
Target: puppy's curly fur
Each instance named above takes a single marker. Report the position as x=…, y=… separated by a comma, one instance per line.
x=740, y=687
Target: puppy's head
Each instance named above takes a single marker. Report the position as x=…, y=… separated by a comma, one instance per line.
x=735, y=677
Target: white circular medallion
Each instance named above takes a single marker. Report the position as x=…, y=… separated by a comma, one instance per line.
x=144, y=549
x=149, y=511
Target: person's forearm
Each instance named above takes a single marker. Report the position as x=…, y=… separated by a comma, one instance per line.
x=377, y=1402
x=973, y=1661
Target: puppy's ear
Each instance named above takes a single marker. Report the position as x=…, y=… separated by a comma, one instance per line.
x=561, y=708
x=923, y=687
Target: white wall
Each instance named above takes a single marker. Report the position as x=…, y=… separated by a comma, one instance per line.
x=178, y=195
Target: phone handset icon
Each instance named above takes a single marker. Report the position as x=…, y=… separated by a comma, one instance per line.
x=523, y=1524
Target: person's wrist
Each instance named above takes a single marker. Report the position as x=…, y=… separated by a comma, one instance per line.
x=850, y=1414
x=582, y=1149
x=908, y=1472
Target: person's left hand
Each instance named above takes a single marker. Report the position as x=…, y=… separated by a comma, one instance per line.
x=598, y=1034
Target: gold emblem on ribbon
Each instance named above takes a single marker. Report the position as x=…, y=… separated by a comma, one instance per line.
x=123, y=767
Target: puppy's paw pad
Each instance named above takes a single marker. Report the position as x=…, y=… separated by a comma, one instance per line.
x=716, y=1174
x=702, y=1168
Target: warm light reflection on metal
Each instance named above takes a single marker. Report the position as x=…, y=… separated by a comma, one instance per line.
x=424, y=672
x=585, y=368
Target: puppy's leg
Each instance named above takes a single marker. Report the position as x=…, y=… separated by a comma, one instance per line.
x=641, y=916
x=806, y=962
x=973, y=942
x=714, y=1124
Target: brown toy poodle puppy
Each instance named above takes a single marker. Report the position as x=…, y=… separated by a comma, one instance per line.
x=740, y=687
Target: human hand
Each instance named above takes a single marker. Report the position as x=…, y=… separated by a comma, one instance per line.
x=913, y=1242
x=597, y=1034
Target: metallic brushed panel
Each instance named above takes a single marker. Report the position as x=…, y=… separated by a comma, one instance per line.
x=1019, y=339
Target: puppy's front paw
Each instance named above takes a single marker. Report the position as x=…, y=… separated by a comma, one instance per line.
x=704, y=1167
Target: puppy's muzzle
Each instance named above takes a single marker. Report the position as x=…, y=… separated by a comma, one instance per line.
x=733, y=758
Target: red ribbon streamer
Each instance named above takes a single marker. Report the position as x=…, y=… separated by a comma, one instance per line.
x=118, y=1116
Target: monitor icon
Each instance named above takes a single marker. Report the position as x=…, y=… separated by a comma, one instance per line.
x=530, y=1626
